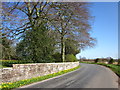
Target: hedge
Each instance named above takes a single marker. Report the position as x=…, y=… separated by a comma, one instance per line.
x=8, y=63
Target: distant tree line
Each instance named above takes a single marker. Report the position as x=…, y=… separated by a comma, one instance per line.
x=109, y=60
x=45, y=31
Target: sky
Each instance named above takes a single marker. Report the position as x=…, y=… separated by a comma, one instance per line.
x=105, y=30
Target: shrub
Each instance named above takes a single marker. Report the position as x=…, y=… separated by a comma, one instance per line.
x=118, y=61
x=70, y=58
x=57, y=57
x=96, y=60
x=111, y=61
x=8, y=63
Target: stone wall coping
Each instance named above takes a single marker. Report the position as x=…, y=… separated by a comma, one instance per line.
x=7, y=68
x=45, y=63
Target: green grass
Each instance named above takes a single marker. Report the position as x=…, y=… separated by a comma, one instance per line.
x=114, y=68
x=8, y=86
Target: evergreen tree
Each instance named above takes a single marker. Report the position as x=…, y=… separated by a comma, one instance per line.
x=71, y=47
x=36, y=46
x=7, y=49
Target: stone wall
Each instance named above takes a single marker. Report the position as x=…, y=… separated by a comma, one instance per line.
x=26, y=71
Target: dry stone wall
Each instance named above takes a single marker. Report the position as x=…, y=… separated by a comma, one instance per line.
x=26, y=71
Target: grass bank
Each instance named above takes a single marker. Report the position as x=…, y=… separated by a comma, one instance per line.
x=115, y=68
x=8, y=86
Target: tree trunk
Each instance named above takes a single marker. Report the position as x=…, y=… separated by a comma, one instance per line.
x=118, y=61
x=62, y=49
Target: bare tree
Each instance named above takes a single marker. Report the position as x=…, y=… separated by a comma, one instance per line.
x=71, y=20
x=19, y=17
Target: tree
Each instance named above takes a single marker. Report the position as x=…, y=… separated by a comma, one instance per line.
x=70, y=58
x=71, y=47
x=35, y=41
x=23, y=16
x=7, y=48
x=71, y=21
x=111, y=61
x=118, y=61
x=57, y=57
x=36, y=46
x=97, y=60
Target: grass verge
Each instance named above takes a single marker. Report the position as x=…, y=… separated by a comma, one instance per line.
x=114, y=68
x=8, y=86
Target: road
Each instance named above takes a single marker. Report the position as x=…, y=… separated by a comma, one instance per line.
x=88, y=76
